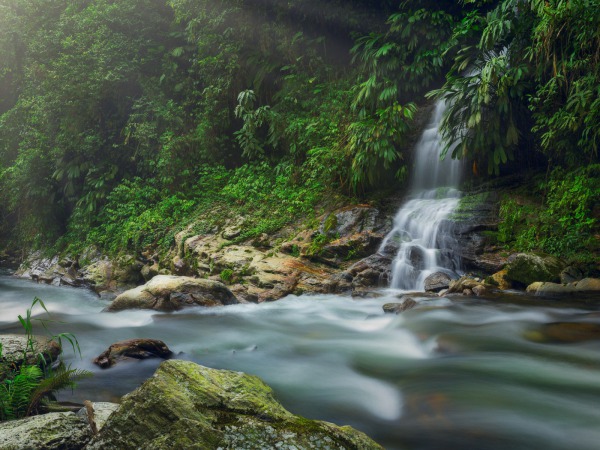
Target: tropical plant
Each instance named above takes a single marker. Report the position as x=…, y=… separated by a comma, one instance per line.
x=25, y=389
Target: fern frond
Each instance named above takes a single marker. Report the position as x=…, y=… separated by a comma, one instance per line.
x=61, y=378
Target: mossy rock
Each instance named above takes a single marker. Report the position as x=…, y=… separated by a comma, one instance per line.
x=54, y=431
x=527, y=268
x=187, y=406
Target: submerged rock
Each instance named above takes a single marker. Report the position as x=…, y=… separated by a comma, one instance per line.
x=187, y=406
x=585, y=286
x=134, y=349
x=566, y=332
x=169, y=293
x=54, y=431
x=397, y=308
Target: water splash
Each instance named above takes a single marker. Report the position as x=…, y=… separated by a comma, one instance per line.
x=421, y=230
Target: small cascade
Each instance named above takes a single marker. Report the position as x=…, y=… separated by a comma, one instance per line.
x=421, y=235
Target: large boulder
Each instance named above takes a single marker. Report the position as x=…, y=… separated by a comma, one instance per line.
x=169, y=293
x=132, y=349
x=14, y=347
x=54, y=431
x=527, y=268
x=187, y=406
x=437, y=281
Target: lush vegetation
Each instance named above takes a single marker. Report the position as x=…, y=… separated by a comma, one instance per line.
x=27, y=387
x=123, y=123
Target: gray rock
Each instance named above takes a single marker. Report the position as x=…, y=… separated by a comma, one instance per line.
x=479, y=290
x=102, y=411
x=570, y=274
x=53, y=431
x=585, y=286
x=437, y=281
x=397, y=308
x=187, y=406
x=14, y=346
x=169, y=292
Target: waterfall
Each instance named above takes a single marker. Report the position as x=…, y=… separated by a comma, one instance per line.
x=421, y=233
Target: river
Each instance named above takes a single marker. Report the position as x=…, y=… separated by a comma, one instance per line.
x=454, y=373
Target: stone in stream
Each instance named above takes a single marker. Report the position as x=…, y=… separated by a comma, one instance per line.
x=585, y=286
x=188, y=406
x=134, y=349
x=169, y=293
x=397, y=308
x=437, y=281
x=565, y=332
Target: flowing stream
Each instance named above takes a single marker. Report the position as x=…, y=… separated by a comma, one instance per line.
x=458, y=374
x=421, y=228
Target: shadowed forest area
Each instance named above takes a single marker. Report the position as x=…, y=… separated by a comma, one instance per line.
x=123, y=122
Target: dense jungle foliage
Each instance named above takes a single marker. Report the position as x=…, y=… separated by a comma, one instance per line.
x=121, y=122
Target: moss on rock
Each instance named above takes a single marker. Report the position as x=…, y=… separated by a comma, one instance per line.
x=187, y=406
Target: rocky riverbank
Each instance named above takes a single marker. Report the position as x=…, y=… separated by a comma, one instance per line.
x=184, y=406
x=339, y=253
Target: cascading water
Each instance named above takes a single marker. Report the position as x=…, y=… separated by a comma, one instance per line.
x=421, y=228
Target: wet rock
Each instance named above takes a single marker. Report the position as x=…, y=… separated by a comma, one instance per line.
x=437, y=281
x=565, y=332
x=479, y=290
x=53, y=431
x=354, y=246
x=169, y=293
x=185, y=405
x=570, y=274
x=462, y=284
x=527, y=268
x=132, y=348
x=375, y=270
x=585, y=286
x=397, y=308
x=14, y=347
x=499, y=280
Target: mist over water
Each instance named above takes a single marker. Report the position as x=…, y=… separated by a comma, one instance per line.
x=420, y=227
x=458, y=374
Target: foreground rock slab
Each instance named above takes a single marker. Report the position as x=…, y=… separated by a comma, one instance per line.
x=170, y=293
x=187, y=406
x=54, y=431
x=134, y=349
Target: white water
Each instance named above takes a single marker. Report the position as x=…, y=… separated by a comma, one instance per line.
x=420, y=227
x=457, y=375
